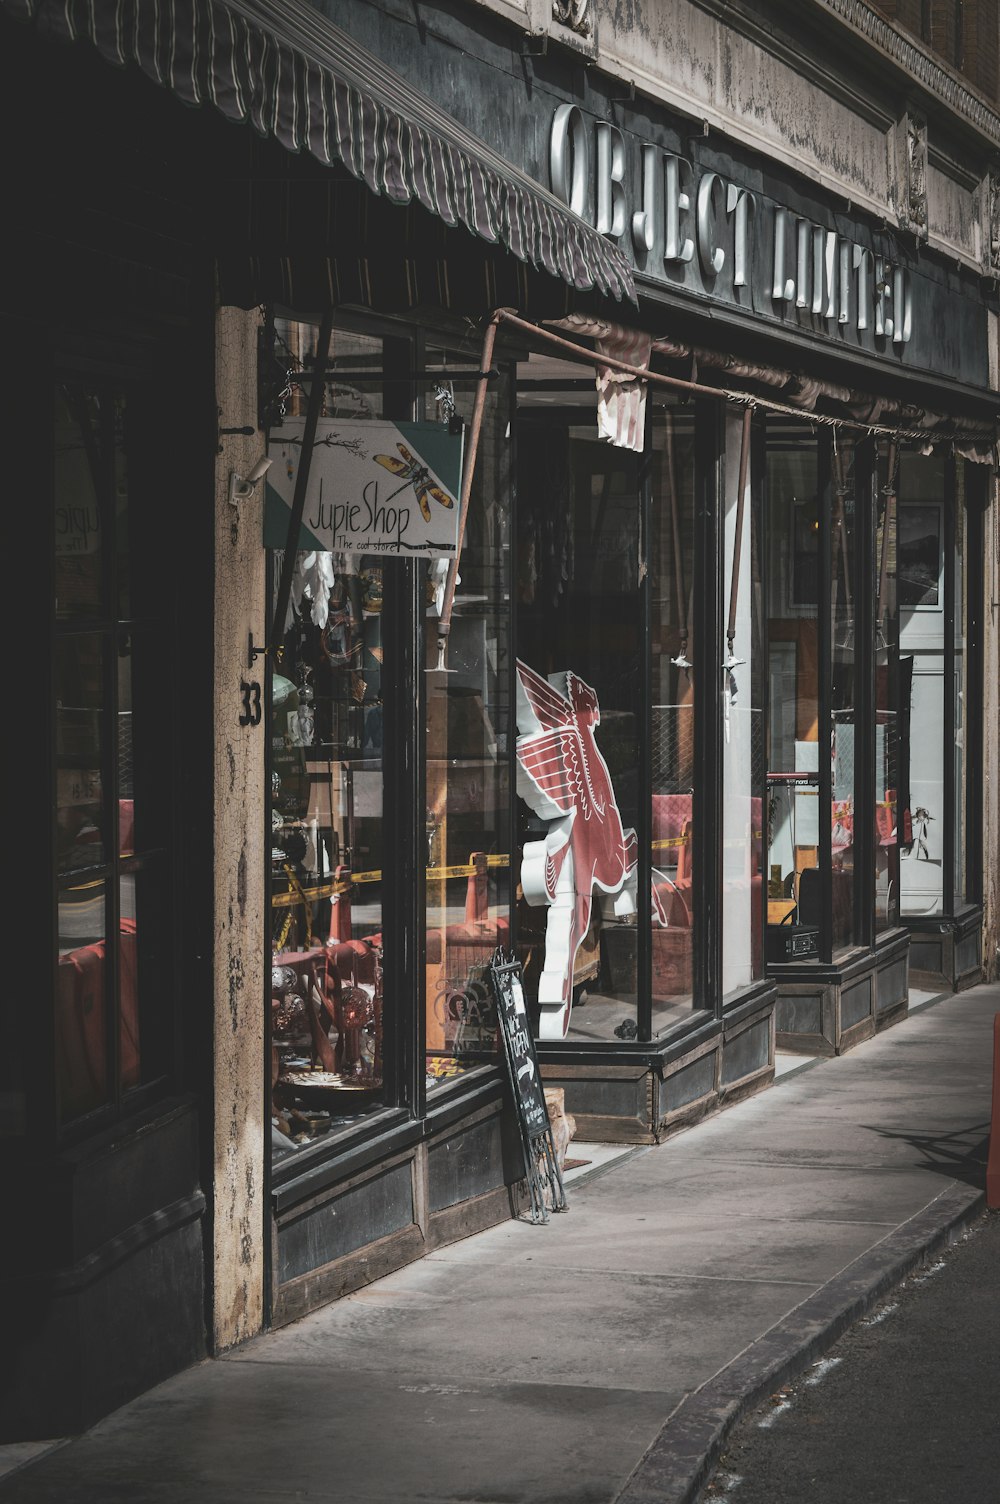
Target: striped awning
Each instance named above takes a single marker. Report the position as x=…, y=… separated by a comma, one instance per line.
x=281, y=66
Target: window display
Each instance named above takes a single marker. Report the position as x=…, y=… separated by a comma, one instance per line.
x=328, y=840
x=336, y=858
x=468, y=745
x=847, y=512
x=960, y=676
x=326, y=854
x=743, y=720
x=892, y=698
x=921, y=568
x=578, y=615
x=673, y=699
x=793, y=586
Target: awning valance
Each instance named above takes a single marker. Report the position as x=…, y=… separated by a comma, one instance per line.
x=295, y=76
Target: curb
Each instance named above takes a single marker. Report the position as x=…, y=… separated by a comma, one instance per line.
x=683, y=1457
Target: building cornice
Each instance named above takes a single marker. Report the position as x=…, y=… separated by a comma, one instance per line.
x=915, y=60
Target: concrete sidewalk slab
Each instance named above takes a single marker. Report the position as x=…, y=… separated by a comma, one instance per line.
x=602, y=1357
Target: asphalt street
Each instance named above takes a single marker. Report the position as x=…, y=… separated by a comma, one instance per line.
x=904, y=1409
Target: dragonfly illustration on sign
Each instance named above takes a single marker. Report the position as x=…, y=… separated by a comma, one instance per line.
x=418, y=476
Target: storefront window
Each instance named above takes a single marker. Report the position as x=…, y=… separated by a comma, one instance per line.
x=468, y=749
x=845, y=522
x=960, y=685
x=329, y=844
x=579, y=710
x=675, y=922
x=921, y=587
x=793, y=592
x=112, y=705
x=743, y=724
x=892, y=681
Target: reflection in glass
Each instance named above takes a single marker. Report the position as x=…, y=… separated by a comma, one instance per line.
x=921, y=493
x=578, y=617
x=81, y=998
x=792, y=810
x=328, y=838
x=672, y=697
x=961, y=611
x=327, y=852
x=81, y=816
x=843, y=636
x=743, y=728
x=79, y=462
x=139, y=957
x=467, y=816
x=891, y=796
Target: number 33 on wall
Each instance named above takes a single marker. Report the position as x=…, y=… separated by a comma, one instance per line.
x=251, y=712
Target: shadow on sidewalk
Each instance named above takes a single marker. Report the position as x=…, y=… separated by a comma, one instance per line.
x=960, y=1155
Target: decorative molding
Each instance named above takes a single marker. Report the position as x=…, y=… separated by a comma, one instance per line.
x=907, y=53
x=574, y=14
x=911, y=175
x=991, y=228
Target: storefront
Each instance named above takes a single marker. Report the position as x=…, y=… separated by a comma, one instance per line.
x=604, y=585
x=627, y=688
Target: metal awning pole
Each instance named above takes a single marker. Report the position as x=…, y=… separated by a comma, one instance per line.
x=301, y=482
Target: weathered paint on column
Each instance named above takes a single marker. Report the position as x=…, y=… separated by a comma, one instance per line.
x=238, y=1211
x=991, y=703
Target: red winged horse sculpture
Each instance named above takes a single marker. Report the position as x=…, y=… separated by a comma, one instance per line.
x=562, y=776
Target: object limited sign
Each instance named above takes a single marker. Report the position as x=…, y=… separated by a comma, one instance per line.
x=373, y=488
x=519, y=1047
x=714, y=235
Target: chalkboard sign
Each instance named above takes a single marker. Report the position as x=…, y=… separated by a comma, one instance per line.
x=541, y=1166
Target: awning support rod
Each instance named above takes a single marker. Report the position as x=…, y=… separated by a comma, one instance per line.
x=727, y=394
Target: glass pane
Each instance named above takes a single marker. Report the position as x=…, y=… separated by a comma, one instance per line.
x=792, y=813
x=672, y=713
x=961, y=681
x=360, y=392
x=328, y=846
x=920, y=570
x=81, y=815
x=328, y=842
x=844, y=522
x=81, y=998
x=124, y=562
x=743, y=730
x=467, y=761
x=578, y=711
x=890, y=723
x=78, y=470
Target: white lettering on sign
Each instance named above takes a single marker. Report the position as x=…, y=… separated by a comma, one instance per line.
x=620, y=184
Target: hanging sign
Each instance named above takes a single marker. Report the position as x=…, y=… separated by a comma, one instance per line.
x=542, y=1171
x=374, y=488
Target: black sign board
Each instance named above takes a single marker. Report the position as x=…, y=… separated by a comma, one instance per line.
x=541, y=1166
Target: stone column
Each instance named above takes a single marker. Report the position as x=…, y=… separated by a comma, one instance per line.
x=237, y=1305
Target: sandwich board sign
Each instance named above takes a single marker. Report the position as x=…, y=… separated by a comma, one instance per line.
x=541, y=1167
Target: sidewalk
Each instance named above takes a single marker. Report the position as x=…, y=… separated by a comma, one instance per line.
x=599, y=1358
